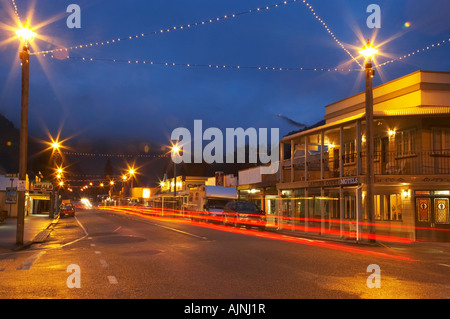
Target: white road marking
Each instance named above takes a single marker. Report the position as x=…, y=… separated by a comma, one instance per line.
x=445, y=265
x=76, y=240
x=112, y=280
x=97, y=252
x=155, y=224
x=104, y=263
x=179, y=231
x=26, y=265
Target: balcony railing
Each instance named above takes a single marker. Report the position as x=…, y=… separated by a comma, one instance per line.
x=385, y=163
x=412, y=163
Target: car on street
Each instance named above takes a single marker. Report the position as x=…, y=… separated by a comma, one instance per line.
x=67, y=210
x=247, y=214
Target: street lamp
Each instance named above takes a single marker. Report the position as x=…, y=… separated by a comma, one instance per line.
x=56, y=146
x=369, y=52
x=124, y=179
x=26, y=35
x=176, y=151
x=131, y=171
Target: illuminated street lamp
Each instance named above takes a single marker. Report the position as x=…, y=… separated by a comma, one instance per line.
x=124, y=179
x=131, y=172
x=369, y=52
x=175, y=151
x=56, y=146
x=26, y=35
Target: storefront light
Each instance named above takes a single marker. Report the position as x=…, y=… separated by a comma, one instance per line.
x=406, y=193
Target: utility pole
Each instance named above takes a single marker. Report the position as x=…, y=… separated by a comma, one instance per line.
x=24, y=55
x=369, y=52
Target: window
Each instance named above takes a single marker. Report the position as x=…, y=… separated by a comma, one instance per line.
x=405, y=142
x=441, y=141
x=349, y=207
x=350, y=152
x=377, y=148
x=378, y=207
x=395, y=207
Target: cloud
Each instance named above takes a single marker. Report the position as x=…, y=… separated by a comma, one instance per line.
x=291, y=121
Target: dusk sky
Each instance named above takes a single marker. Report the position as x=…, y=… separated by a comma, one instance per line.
x=119, y=100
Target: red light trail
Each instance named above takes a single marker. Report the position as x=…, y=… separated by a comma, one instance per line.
x=202, y=220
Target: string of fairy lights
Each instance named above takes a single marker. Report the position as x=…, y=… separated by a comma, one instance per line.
x=210, y=66
x=169, y=29
x=320, y=20
x=204, y=22
x=13, y=2
x=221, y=66
x=429, y=47
x=87, y=154
x=247, y=67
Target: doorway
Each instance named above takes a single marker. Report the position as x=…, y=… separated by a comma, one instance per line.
x=432, y=216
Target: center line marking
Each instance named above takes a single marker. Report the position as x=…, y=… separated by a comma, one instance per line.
x=104, y=263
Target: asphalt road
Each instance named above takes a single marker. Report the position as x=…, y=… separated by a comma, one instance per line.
x=101, y=254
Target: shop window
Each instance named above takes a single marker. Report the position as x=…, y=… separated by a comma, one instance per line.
x=378, y=207
x=395, y=207
x=349, y=207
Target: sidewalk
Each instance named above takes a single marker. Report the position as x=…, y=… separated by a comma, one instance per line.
x=37, y=229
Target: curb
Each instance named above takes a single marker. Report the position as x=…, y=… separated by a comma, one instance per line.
x=40, y=237
x=325, y=238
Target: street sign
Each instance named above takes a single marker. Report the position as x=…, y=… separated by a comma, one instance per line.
x=11, y=195
x=21, y=186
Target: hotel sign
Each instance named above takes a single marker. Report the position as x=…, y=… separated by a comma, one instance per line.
x=41, y=186
x=334, y=182
x=349, y=181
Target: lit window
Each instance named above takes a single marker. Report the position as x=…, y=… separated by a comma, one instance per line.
x=395, y=210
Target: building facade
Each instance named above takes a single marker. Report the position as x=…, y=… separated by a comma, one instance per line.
x=322, y=183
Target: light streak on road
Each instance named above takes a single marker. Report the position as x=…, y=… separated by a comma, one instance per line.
x=201, y=219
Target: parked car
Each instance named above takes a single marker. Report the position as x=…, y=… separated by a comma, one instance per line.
x=239, y=213
x=67, y=210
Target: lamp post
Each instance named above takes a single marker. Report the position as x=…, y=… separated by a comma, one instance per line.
x=26, y=35
x=55, y=145
x=131, y=171
x=59, y=183
x=124, y=179
x=111, y=185
x=368, y=52
x=175, y=152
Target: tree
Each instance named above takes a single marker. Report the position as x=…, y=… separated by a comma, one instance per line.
x=108, y=170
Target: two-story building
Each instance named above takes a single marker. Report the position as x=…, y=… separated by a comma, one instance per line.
x=322, y=184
